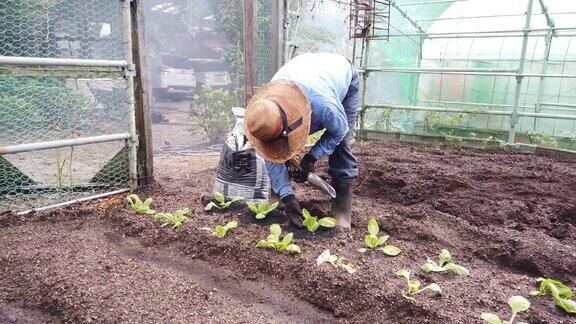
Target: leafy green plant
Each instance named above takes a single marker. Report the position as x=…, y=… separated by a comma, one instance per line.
x=312, y=223
x=273, y=241
x=372, y=241
x=262, y=209
x=336, y=261
x=414, y=286
x=561, y=293
x=140, y=207
x=444, y=264
x=517, y=304
x=220, y=230
x=175, y=220
x=220, y=202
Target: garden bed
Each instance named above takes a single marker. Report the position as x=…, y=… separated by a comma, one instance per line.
x=508, y=217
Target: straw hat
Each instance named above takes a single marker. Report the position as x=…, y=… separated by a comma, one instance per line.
x=277, y=121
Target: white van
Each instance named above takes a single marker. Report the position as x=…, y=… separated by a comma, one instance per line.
x=172, y=77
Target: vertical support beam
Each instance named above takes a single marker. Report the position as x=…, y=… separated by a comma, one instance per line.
x=543, y=71
x=364, y=86
x=278, y=7
x=414, y=99
x=249, y=48
x=142, y=95
x=129, y=95
x=519, y=78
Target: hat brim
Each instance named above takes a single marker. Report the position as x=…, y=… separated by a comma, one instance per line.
x=296, y=105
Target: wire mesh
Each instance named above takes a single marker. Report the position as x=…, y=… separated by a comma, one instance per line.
x=45, y=105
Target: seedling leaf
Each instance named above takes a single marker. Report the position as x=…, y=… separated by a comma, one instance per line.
x=138, y=206
x=210, y=206
x=518, y=304
x=561, y=293
x=312, y=223
x=491, y=318
x=220, y=202
x=373, y=227
x=253, y=207
x=293, y=248
x=414, y=285
x=371, y=241
x=444, y=257
x=327, y=222
x=391, y=250
x=434, y=287
x=457, y=269
x=219, y=197
x=335, y=261
x=445, y=264
x=275, y=230
x=273, y=241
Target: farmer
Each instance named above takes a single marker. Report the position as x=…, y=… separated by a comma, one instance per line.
x=312, y=92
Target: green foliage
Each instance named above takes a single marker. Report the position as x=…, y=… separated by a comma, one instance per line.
x=453, y=140
x=175, y=220
x=336, y=261
x=384, y=120
x=220, y=230
x=444, y=264
x=262, y=209
x=138, y=206
x=211, y=114
x=561, y=294
x=228, y=13
x=413, y=286
x=372, y=241
x=274, y=241
x=517, y=304
x=434, y=119
x=547, y=140
x=312, y=223
x=220, y=202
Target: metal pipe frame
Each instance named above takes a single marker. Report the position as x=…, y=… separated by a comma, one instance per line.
x=491, y=16
x=470, y=111
x=520, y=77
x=129, y=94
x=21, y=148
x=548, y=45
x=405, y=15
x=46, y=61
x=430, y=2
x=75, y=201
x=468, y=72
x=558, y=104
x=489, y=32
x=567, y=107
x=364, y=86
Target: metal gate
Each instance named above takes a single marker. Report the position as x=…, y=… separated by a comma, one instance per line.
x=67, y=116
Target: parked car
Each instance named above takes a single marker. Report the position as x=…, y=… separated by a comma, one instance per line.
x=213, y=73
x=173, y=77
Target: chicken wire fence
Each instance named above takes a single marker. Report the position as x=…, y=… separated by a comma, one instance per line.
x=66, y=102
x=479, y=69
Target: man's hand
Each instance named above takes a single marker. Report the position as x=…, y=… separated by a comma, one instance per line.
x=293, y=210
x=306, y=166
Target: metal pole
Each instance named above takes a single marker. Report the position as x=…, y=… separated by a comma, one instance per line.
x=44, y=61
x=129, y=94
x=364, y=86
x=520, y=77
x=21, y=148
x=417, y=79
x=76, y=201
x=543, y=71
x=277, y=13
x=249, y=48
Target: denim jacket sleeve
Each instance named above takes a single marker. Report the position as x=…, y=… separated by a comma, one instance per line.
x=279, y=179
x=333, y=118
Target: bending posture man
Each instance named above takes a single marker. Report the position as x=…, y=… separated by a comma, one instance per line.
x=310, y=93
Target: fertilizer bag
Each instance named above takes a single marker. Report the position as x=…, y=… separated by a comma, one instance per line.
x=241, y=171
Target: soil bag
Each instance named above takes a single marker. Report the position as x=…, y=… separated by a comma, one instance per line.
x=241, y=172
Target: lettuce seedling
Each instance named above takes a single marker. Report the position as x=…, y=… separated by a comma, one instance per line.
x=273, y=241
x=561, y=293
x=444, y=264
x=414, y=286
x=312, y=223
x=175, y=220
x=221, y=202
x=517, y=304
x=262, y=209
x=372, y=241
x=336, y=261
x=138, y=206
x=220, y=230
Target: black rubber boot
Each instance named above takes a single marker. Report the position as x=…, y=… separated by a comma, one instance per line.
x=342, y=204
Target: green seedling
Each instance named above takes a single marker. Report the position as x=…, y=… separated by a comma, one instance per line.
x=517, y=304
x=336, y=261
x=221, y=202
x=561, y=293
x=262, y=209
x=444, y=264
x=175, y=220
x=220, y=230
x=138, y=206
x=312, y=223
x=372, y=241
x=414, y=286
x=273, y=241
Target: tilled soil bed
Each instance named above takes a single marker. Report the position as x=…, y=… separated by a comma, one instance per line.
x=509, y=218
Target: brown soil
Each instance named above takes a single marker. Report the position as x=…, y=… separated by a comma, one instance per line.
x=507, y=217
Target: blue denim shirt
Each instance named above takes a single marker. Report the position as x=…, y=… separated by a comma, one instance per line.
x=325, y=79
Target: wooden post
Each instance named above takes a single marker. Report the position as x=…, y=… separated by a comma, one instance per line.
x=278, y=7
x=249, y=48
x=142, y=95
